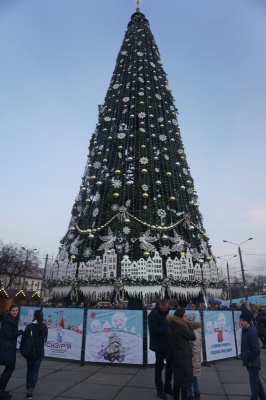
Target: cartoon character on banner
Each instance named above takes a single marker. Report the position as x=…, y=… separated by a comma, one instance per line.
x=95, y=325
x=61, y=321
x=210, y=327
x=59, y=336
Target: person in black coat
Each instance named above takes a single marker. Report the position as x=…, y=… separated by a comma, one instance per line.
x=250, y=354
x=39, y=331
x=158, y=328
x=8, y=342
x=180, y=354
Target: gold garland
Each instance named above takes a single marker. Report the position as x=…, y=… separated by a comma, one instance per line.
x=158, y=228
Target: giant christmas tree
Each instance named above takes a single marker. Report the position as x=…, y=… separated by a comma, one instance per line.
x=136, y=219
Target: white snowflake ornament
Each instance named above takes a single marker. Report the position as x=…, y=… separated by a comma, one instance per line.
x=144, y=160
x=161, y=213
x=142, y=115
x=97, y=164
x=163, y=138
x=126, y=230
x=165, y=251
x=116, y=183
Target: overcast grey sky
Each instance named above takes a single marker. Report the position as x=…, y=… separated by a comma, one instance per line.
x=56, y=61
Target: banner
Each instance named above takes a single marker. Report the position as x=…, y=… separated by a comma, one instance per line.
x=238, y=331
x=219, y=335
x=65, y=328
x=114, y=336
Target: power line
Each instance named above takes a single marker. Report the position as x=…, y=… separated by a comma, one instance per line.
x=254, y=254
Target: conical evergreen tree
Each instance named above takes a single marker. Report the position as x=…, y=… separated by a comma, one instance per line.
x=136, y=215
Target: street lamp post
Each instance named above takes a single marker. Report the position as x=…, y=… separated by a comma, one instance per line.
x=241, y=264
x=201, y=263
x=44, y=276
x=228, y=276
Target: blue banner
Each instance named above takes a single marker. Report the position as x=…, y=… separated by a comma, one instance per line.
x=65, y=328
x=114, y=336
x=219, y=335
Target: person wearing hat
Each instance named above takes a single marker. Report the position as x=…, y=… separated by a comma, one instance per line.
x=250, y=354
x=180, y=335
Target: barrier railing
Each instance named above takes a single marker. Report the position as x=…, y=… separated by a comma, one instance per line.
x=122, y=336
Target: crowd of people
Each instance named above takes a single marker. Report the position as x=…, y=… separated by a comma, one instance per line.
x=176, y=340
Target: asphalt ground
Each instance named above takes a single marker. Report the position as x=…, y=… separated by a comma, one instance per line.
x=64, y=380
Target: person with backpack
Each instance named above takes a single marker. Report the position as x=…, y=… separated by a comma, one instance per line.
x=38, y=330
x=8, y=348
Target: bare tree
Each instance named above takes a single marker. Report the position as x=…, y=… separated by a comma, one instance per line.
x=258, y=286
x=16, y=262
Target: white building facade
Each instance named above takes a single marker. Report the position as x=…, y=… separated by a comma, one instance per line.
x=105, y=267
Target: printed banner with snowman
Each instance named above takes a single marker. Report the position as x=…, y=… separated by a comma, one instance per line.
x=219, y=335
x=114, y=336
x=65, y=328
